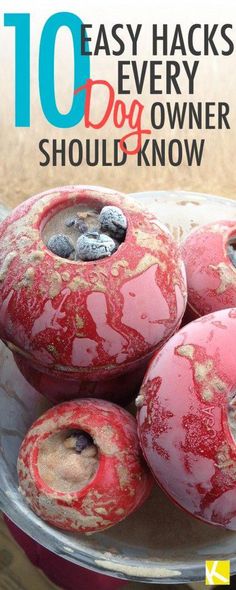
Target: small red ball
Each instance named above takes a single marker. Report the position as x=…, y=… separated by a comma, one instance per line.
x=119, y=485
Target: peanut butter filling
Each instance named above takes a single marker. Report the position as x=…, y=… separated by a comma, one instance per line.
x=67, y=461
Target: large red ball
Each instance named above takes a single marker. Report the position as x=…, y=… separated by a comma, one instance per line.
x=187, y=418
x=88, y=320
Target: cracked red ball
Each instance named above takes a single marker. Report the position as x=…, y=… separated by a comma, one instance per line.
x=80, y=466
x=77, y=321
x=210, y=260
x=187, y=418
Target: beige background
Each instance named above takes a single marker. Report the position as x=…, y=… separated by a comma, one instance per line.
x=20, y=173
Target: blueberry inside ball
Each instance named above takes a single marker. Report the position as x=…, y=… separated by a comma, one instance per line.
x=70, y=221
x=81, y=440
x=60, y=245
x=232, y=253
x=93, y=246
x=113, y=221
x=82, y=232
x=77, y=224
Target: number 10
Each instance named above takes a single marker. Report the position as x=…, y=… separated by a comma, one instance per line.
x=21, y=22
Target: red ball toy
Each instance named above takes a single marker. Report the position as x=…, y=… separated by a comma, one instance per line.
x=92, y=437
x=209, y=258
x=77, y=320
x=187, y=418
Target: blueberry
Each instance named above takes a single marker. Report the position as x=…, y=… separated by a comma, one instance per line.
x=60, y=245
x=70, y=221
x=83, y=228
x=76, y=223
x=93, y=245
x=82, y=440
x=232, y=254
x=113, y=220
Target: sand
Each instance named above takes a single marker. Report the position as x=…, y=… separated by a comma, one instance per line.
x=62, y=467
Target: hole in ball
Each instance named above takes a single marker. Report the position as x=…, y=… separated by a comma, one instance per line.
x=232, y=414
x=68, y=460
x=231, y=250
x=84, y=233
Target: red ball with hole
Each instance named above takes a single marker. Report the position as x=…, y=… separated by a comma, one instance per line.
x=210, y=260
x=187, y=418
x=80, y=466
x=90, y=286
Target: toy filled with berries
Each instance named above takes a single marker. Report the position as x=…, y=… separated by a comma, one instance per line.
x=91, y=285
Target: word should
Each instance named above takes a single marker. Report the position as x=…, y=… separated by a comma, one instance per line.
x=76, y=152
